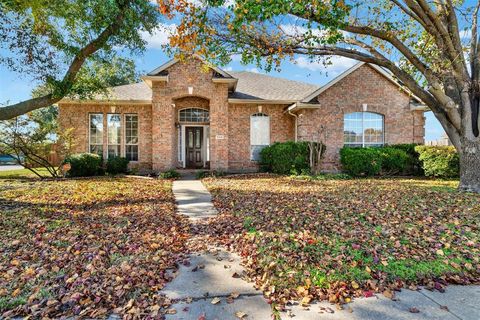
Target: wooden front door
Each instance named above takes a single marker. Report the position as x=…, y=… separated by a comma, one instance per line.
x=194, y=145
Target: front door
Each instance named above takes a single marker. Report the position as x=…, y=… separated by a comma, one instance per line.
x=194, y=143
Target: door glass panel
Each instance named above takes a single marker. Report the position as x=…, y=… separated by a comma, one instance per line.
x=190, y=139
x=198, y=143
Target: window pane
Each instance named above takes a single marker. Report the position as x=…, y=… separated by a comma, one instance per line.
x=113, y=151
x=131, y=129
x=114, y=128
x=259, y=134
x=363, y=129
x=131, y=153
x=194, y=115
x=96, y=129
x=97, y=149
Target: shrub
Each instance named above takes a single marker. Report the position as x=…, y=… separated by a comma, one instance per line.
x=84, y=165
x=361, y=161
x=439, y=161
x=285, y=158
x=414, y=165
x=394, y=161
x=117, y=165
x=206, y=174
x=169, y=174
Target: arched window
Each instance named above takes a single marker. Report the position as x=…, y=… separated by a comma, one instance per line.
x=259, y=134
x=194, y=115
x=363, y=129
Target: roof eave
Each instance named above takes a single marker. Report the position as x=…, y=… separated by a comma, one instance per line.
x=98, y=101
x=150, y=79
x=302, y=105
x=232, y=82
x=259, y=101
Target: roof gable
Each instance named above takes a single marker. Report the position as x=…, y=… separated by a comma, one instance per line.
x=161, y=70
x=345, y=74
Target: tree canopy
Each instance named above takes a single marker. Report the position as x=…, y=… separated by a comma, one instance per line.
x=71, y=47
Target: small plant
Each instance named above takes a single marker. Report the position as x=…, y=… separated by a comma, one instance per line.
x=169, y=174
x=84, y=165
x=116, y=165
x=205, y=174
x=439, y=161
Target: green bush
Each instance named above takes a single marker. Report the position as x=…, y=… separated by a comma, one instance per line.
x=394, y=161
x=285, y=158
x=414, y=165
x=361, y=161
x=211, y=173
x=116, y=165
x=439, y=161
x=84, y=165
x=169, y=174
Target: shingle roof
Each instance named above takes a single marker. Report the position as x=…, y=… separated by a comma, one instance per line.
x=253, y=85
x=134, y=91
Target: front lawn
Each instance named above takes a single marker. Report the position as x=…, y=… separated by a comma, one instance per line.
x=23, y=173
x=334, y=239
x=87, y=247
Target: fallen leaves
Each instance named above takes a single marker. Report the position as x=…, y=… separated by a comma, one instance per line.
x=88, y=247
x=215, y=300
x=337, y=239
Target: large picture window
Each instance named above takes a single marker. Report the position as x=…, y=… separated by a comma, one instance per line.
x=259, y=134
x=114, y=125
x=363, y=129
x=194, y=115
x=131, y=137
x=96, y=134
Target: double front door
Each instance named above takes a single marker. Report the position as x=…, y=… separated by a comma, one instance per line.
x=194, y=147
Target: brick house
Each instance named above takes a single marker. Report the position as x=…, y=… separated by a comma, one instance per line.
x=190, y=115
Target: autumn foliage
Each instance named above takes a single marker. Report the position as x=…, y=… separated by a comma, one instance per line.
x=337, y=239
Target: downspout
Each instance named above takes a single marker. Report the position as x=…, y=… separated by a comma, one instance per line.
x=296, y=123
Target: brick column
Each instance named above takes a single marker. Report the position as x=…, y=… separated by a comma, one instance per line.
x=219, y=129
x=163, y=135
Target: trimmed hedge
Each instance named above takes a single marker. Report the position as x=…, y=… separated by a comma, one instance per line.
x=286, y=158
x=414, y=165
x=373, y=161
x=439, y=161
x=361, y=161
x=117, y=165
x=84, y=165
x=169, y=174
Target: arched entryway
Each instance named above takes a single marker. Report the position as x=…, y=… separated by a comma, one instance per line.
x=193, y=131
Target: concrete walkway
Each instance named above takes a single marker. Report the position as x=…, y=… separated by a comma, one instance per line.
x=210, y=284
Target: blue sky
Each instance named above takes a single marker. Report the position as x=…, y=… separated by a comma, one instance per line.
x=15, y=88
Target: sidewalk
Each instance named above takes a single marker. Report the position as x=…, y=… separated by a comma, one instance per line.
x=210, y=284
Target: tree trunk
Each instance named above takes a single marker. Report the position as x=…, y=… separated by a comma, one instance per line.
x=470, y=165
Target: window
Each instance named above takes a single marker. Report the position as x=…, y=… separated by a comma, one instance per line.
x=96, y=134
x=131, y=137
x=363, y=129
x=259, y=134
x=114, y=125
x=194, y=115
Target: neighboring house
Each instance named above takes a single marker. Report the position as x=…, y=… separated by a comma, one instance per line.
x=189, y=115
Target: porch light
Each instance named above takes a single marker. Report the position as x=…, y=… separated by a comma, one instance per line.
x=190, y=90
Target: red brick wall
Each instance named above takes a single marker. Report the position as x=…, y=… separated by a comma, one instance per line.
x=364, y=86
x=281, y=130
x=165, y=94
x=76, y=116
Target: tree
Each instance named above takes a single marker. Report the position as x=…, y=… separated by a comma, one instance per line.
x=432, y=47
x=32, y=139
x=63, y=44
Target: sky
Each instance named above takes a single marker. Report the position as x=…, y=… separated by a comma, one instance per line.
x=15, y=88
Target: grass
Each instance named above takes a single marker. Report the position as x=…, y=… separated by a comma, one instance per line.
x=337, y=237
x=23, y=173
x=87, y=247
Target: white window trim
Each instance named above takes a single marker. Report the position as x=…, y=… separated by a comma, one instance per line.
x=264, y=115
x=121, y=132
x=90, y=132
x=362, y=144
x=124, y=153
